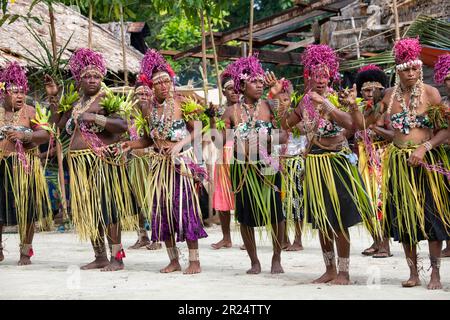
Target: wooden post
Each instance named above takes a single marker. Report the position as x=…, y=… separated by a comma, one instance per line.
x=358, y=52
x=90, y=25
x=124, y=54
x=205, y=71
x=397, y=27
x=210, y=168
x=59, y=154
x=250, y=43
x=216, y=62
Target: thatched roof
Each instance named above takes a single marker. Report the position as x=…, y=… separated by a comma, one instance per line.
x=68, y=21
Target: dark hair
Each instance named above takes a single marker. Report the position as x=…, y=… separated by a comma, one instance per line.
x=370, y=76
x=225, y=80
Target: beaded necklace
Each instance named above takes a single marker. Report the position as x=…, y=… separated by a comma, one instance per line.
x=163, y=124
x=251, y=119
x=82, y=107
x=399, y=93
x=14, y=119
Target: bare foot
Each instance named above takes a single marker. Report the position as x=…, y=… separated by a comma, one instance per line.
x=140, y=243
x=193, y=268
x=328, y=276
x=276, y=266
x=446, y=252
x=172, y=267
x=24, y=260
x=222, y=244
x=286, y=245
x=98, y=263
x=435, y=282
x=115, y=265
x=295, y=247
x=255, y=269
x=382, y=253
x=413, y=281
x=154, y=246
x=342, y=279
x=371, y=250
x=243, y=247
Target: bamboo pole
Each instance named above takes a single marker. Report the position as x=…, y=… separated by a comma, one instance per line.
x=124, y=55
x=204, y=73
x=59, y=154
x=90, y=25
x=397, y=27
x=250, y=43
x=210, y=168
x=216, y=62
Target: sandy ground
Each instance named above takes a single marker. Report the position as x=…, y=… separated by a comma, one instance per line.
x=55, y=273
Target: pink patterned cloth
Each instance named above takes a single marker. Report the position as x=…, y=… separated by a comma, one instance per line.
x=223, y=199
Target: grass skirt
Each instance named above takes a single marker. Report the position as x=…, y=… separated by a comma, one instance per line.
x=138, y=169
x=100, y=194
x=372, y=176
x=174, y=197
x=416, y=201
x=24, y=195
x=292, y=194
x=334, y=194
x=257, y=195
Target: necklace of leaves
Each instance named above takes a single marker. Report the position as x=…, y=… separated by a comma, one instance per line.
x=163, y=124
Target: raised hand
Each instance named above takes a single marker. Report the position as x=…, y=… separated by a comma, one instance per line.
x=50, y=86
x=347, y=97
x=316, y=98
x=270, y=79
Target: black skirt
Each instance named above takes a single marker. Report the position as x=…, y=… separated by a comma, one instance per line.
x=8, y=208
x=433, y=227
x=258, y=203
x=349, y=213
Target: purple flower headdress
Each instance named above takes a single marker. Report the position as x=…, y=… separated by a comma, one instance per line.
x=245, y=69
x=318, y=60
x=13, y=76
x=287, y=86
x=442, y=69
x=84, y=59
x=407, y=53
x=369, y=67
x=152, y=63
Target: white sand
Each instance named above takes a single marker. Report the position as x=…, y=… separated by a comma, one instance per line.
x=54, y=273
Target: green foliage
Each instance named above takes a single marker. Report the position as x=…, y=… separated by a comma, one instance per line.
x=69, y=97
x=42, y=119
x=179, y=34
x=140, y=122
x=117, y=103
x=108, y=10
x=11, y=18
x=438, y=116
x=44, y=61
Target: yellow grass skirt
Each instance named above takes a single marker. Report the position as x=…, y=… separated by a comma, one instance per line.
x=100, y=194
